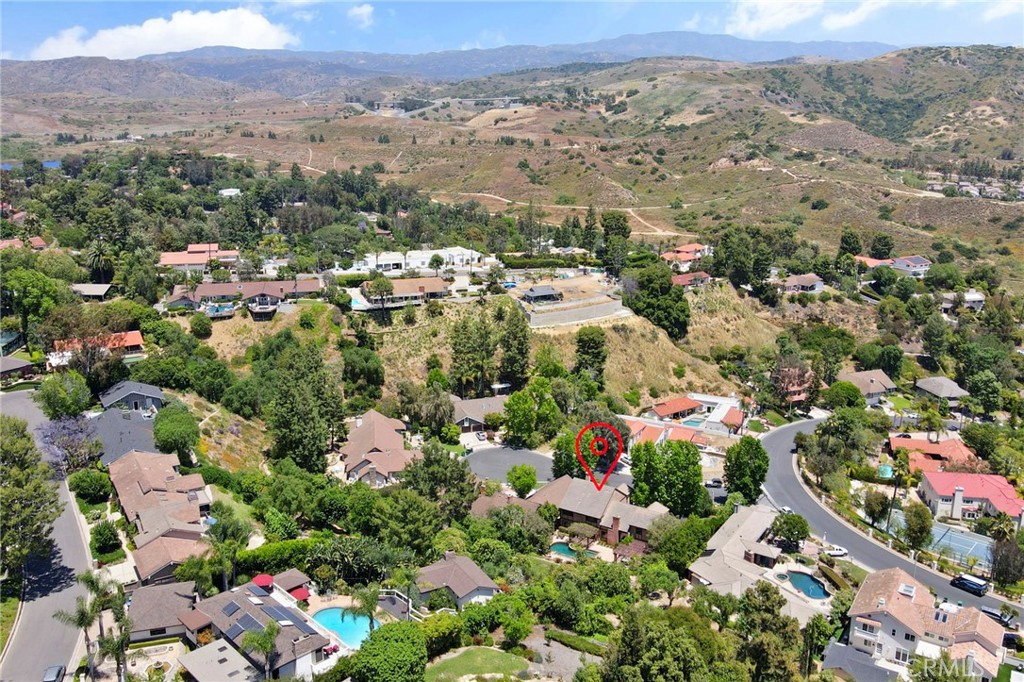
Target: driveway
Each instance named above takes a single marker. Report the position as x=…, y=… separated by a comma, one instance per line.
x=39, y=641
x=784, y=488
x=494, y=461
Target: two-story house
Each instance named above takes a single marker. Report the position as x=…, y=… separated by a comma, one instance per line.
x=914, y=266
x=894, y=618
x=961, y=495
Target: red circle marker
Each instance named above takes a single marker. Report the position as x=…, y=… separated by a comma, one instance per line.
x=601, y=441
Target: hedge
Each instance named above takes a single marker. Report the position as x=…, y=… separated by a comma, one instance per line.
x=834, y=577
x=526, y=262
x=576, y=642
x=350, y=281
x=275, y=557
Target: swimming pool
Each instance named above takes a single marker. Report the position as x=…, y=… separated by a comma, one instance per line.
x=563, y=549
x=693, y=422
x=808, y=584
x=351, y=628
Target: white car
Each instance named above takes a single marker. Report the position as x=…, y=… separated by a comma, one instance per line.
x=836, y=550
x=786, y=510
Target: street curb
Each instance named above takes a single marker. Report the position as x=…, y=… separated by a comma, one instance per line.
x=14, y=623
x=885, y=546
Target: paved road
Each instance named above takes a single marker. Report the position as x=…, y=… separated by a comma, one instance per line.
x=39, y=641
x=784, y=488
x=494, y=462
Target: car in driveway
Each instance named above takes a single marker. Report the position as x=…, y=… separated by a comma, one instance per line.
x=998, y=616
x=55, y=673
x=903, y=435
x=970, y=583
x=480, y=435
x=836, y=551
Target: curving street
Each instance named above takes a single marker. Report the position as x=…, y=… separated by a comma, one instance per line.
x=785, y=489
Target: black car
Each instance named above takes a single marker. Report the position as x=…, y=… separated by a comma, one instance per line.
x=55, y=673
x=998, y=616
x=969, y=583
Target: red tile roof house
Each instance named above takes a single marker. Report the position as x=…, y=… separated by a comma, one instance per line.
x=676, y=408
x=196, y=257
x=872, y=263
x=642, y=432
x=927, y=456
x=130, y=343
x=894, y=618
x=965, y=496
x=375, y=451
x=691, y=280
x=682, y=258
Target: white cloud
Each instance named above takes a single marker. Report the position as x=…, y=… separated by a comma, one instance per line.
x=485, y=40
x=361, y=15
x=185, y=30
x=693, y=23
x=836, y=21
x=752, y=18
x=305, y=15
x=1001, y=9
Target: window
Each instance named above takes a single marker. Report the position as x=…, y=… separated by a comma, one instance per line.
x=864, y=627
x=902, y=656
x=158, y=631
x=909, y=637
x=894, y=632
x=878, y=648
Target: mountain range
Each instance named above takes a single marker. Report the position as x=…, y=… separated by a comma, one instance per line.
x=303, y=73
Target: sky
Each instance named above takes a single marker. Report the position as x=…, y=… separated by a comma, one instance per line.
x=31, y=29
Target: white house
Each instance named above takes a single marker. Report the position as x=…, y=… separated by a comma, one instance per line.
x=464, y=580
x=397, y=262
x=229, y=192
x=914, y=266
x=972, y=299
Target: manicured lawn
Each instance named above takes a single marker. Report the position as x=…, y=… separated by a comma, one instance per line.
x=756, y=426
x=1004, y=673
x=21, y=386
x=775, y=419
x=242, y=511
x=10, y=590
x=853, y=572
x=458, y=450
x=475, y=661
x=86, y=507
x=899, y=402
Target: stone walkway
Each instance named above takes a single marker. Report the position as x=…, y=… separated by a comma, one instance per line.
x=556, y=660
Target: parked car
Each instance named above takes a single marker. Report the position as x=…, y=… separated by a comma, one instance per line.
x=903, y=435
x=836, y=550
x=998, y=616
x=970, y=583
x=717, y=483
x=55, y=673
x=480, y=435
x=953, y=427
x=786, y=510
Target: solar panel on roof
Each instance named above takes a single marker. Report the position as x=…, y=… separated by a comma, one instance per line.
x=235, y=631
x=271, y=612
x=304, y=627
x=258, y=591
x=249, y=624
x=229, y=608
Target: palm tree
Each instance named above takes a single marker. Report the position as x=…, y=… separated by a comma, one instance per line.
x=102, y=590
x=263, y=642
x=901, y=471
x=82, y=618
x=437, y=408
x=932, y=421
x=1003, y=528
x=116, y=644
x=100, y=259
x=366, y=602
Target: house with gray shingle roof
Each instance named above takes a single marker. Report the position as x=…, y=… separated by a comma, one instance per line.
x=941, y=388
x=134, y=396
x=460, y=575
x=154, y=610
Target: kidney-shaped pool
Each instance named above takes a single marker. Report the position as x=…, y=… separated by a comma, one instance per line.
x=350, y=627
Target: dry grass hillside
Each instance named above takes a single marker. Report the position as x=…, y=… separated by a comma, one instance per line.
x=226, y=439
x=718, y=317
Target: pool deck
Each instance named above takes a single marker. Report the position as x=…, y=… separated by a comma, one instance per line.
x=798, y=604
x=602, y=552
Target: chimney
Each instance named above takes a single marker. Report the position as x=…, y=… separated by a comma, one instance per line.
x=881, y=602
x=969, y=663
x=735, y=507
x=449, y=555
x=957, y=511
x=613, y=534
x=359, y=421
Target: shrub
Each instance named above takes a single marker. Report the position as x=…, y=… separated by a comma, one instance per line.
x=200, y=326
x=306, y=319
x=450, y=434
x=819, y=205
x=575, y=642
x=91, y=485
x=443, y=631
x=275, y=557
x=104, y=538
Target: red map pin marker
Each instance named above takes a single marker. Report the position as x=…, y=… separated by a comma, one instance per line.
x=599, y=445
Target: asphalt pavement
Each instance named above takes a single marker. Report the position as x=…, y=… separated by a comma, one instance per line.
x=38, y=640
x=785, y=489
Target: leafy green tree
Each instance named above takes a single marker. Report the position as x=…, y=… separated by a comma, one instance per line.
x=298, y=429
x=591, y=353
x=200, y=326
x=670, y=473
x=410, y=521
x=515, y=349
x=28, y=498
x=436, y=263
x=882, y=246
x=104, y=538
x=746, y=467
x=985, y=388
x=443, y=632
x=850, y=242
x=791, y=528
x=770, y=658
x=588, y=237
x=615, y=254
x=522, y=478
x=942, y=669
x=917, y=525
x=32, y=295
x=615, y=224
x=656, y=576
x=520, y=417
x=761, y=611
x=176, y=430
x=935, y=336
x=564, y=458
x=396, y=652
x=876, y=506
x=443, y=478
x=91, y=485
x=65, y=394
x=651, y=294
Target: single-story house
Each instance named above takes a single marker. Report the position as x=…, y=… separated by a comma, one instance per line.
x=874, y=384
x=196, y=257
x=469, y=413
x=914, y=266
x=464, y=580
x=961, y=495
x=130, y=343
x=92, y=292
x=940, y=388
x=483, y=505
x=608, y=509
x=133, y=395
x=972, y=299
x=229, y=192
x=691, y=280
x=872, y=263
x=926, y=455
x=808, y=283
x=415, y=290
x=155, y=563
x=216, y=662
x=154, y=610
x=676, y=408
x=14, y=367
x=120, y=431
x=541, y=293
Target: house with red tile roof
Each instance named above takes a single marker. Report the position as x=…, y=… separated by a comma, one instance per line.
x=682, y=257
x=691, y=280
x=130, y=343
x=676, y=408
x=928, y=456
x=196, y=257
x=894, y=618
x=961, y=495
x=872, y=263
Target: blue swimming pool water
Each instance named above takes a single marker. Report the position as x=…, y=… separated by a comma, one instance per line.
x=563, y=549
x=693, y=422
x=808, y=584
x=352, y=629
